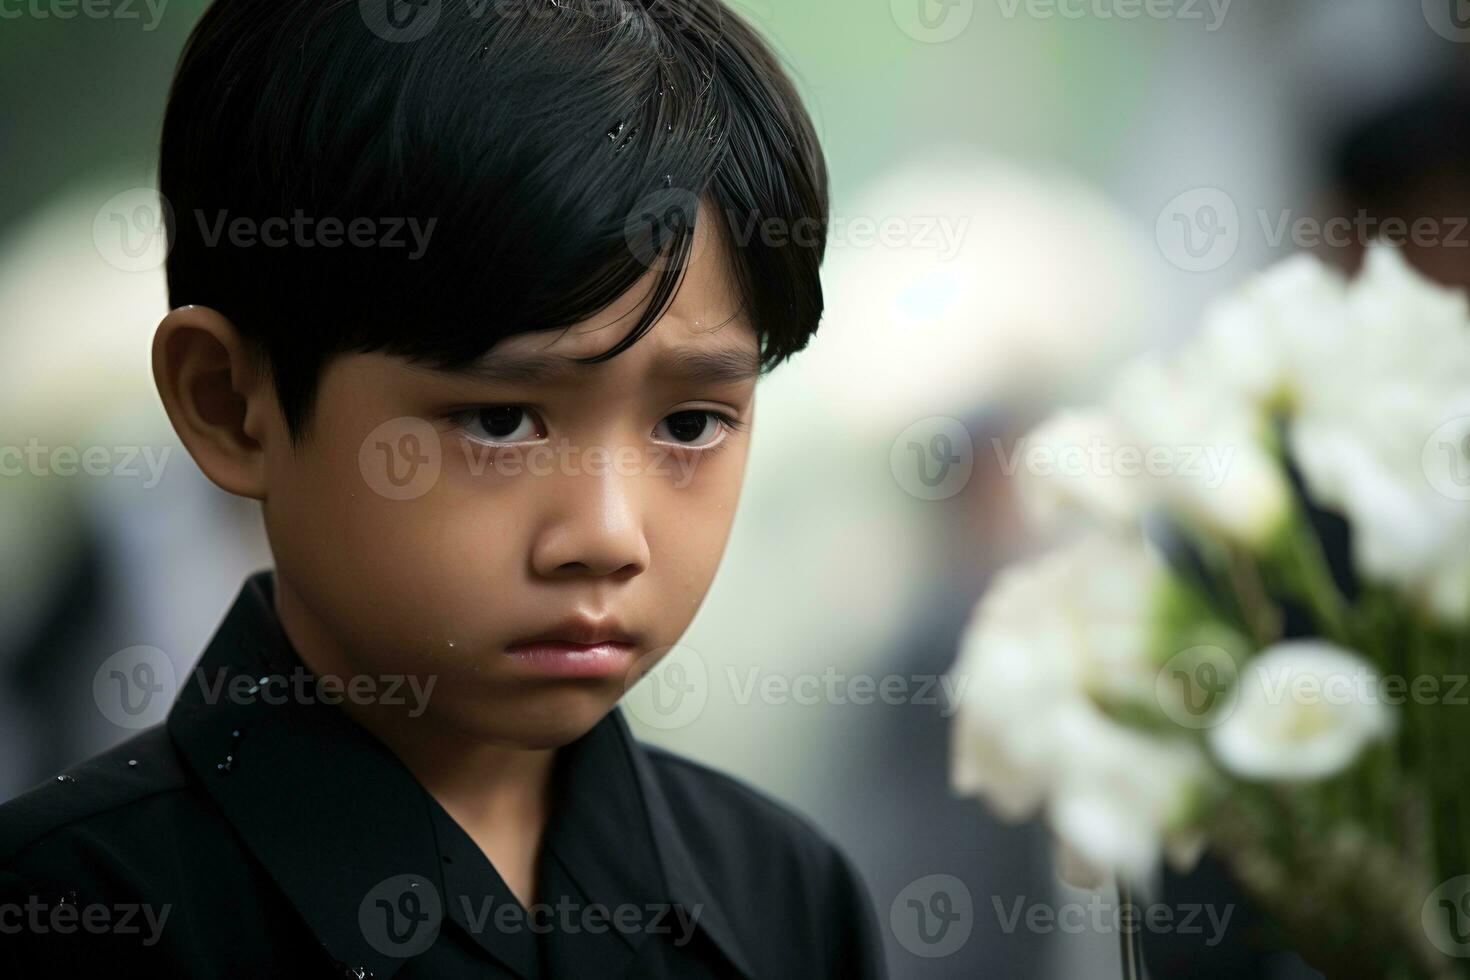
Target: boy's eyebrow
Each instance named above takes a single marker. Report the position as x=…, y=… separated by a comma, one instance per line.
x=720, y=365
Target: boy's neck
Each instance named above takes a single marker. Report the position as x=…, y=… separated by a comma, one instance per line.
x=499, y=795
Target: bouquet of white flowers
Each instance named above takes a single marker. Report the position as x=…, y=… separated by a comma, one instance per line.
x=1256, y=635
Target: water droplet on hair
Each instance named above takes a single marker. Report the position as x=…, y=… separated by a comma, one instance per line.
x=132, y=762
x=668, y=180
x=64, y=778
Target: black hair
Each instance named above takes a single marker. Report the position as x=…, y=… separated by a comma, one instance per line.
x=560, y=149
x=1421, y=137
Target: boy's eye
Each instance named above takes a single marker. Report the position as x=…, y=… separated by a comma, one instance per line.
x=697, y=428
x=506, y=424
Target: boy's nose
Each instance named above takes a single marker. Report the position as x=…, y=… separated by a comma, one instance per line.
x=595, y=527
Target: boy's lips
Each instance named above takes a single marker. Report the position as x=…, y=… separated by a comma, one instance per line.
x=580, y=631
x=582, y=646
x=561, y=659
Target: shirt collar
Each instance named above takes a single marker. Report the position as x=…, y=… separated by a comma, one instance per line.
x=348, y=833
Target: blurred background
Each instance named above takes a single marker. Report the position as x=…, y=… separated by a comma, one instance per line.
x=1024, y=192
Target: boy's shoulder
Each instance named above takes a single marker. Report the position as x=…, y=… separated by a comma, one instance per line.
x=717, y=811
x=136, y=779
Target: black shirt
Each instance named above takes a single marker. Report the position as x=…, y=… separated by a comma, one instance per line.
x=275, y=837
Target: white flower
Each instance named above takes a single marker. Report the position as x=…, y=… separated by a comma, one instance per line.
x=1124, y=794
x=1079, y=464
x=1205, y=412
x=1381, y=431
x=1049, y=641
x=1306, y=710
x=1209, y=447
x=1264, y=342
x=1374, y=379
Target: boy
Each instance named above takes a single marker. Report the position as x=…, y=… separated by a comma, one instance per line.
x=408, y=241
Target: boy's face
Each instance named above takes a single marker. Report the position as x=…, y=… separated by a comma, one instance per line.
x=436, y=518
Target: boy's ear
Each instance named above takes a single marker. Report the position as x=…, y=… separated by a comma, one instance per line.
x=222, y=407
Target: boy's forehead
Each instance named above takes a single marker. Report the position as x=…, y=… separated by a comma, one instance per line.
x=674, y=347
x=704, y=316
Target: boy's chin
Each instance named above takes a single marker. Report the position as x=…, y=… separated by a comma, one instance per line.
x=546, y=722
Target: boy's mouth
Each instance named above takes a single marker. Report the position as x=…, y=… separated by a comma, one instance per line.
x=563, y=659
x=581, y=631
